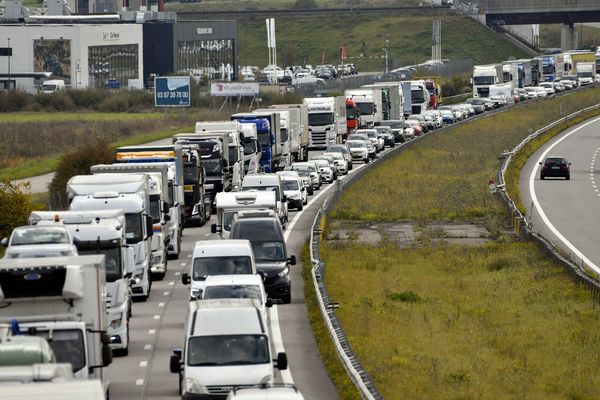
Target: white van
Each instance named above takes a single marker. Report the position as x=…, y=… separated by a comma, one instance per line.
x=52, y=85
x=281, y=391
x=227, y=344
x=269, y=182
x=218, y=257
x=229, y=203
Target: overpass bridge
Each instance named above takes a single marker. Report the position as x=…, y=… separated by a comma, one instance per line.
x=524, y=12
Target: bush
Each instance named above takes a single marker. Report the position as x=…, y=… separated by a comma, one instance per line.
x=61, y=101
x=87, y=98
x=15, y=206
x=77, y=163
x=303, y=4
x=114, y=103
x=14, y=101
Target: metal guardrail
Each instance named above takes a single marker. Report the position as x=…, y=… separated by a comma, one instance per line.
x=572, y=264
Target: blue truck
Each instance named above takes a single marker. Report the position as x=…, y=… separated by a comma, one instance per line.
x=268, y=129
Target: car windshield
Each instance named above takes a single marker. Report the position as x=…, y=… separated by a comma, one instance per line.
x=232, y=292
x=227, y=265
x=335, y=149
x=553, y=162
x=225, y=350
x=356, y=145
x=264, y=188
x=268, y=251
x=290, y=185
x=26, y=236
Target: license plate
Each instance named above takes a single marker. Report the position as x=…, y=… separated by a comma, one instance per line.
x=554, y=167
x=209, y=186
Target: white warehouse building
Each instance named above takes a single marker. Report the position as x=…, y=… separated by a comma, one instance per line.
x=83, y=54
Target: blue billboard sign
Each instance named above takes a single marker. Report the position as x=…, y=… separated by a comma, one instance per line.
x=172, y=91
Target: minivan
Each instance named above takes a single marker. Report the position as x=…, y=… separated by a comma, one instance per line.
x=269, y=182
x=265, y=234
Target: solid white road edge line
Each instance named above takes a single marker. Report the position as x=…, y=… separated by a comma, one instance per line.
x=538, y=206
x=286, y=374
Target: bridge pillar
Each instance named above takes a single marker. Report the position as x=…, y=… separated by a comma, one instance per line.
x=568, y=38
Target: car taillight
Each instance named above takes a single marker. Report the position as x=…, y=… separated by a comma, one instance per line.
x=544, y=168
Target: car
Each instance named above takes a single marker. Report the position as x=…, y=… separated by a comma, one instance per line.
x=558, y=86
x=416, y=126
x=294, y=190
x=555, y=166
x=368, y=142
x=549, y=87
x=522, y=93
x=372, y=135
x=327, y=158
x=532, y=92
x=39, y=241
x=478, y=104
x=567, y=84
x=541, y=91
x=359, y=150
x=339, y=162
x=328, y=174
x=397, y=127
x=571, y=78
x=448, y=116
x=385, y=132
x=343, y=150
x=409, y=132
x=425, y=126
x=498, y=100
x=304, y=178
x=264, y=231
x=310, y=168
x=437, y=117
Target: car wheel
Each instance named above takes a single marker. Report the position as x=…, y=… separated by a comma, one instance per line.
x=367, y=160
x=300, y=207
x=568, y=177
x=541, y=177
x=287, y=299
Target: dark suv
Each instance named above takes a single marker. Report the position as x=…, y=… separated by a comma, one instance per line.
x=555, y=167
x=263, y=230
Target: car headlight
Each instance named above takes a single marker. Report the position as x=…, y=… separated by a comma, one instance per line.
x=138, y=275
x=283, y=272
x=115, y=323
x=193, y=386
x=195, y=210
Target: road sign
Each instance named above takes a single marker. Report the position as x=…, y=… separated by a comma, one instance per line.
x=172, y=91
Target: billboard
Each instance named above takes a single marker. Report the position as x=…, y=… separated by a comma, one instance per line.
x=234, y=89
x=53, y=55
x=172, y=91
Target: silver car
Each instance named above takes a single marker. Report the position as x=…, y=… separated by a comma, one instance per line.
x=339, y=162
x=327, y=173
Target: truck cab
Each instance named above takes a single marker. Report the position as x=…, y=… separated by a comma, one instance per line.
x=102, y=232
x=130, y=193
x=197, y=207
x=63, y=299
x=269, y=136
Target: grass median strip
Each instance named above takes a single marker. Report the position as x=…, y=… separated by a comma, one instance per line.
x=433, y=319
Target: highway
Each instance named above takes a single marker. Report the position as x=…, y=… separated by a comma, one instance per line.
x=157, y=324
x=568, y=212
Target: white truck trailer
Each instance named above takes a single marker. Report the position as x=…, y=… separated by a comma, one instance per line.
x=127, y=192
x=229, y=204
x=326, y=120
x=62, y=298
x=102, y=232
x=484, y=76
x=297, y=127
x=392, y=100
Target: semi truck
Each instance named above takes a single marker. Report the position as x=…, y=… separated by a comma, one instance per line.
x=268, y=129
x=419, y=96
x=297, y=127
x=392, y=100
x=352, y=116
x=235, y=150
x=251, y=149
x=102, y=232
x=368, y=104
x=62, y=299
x=161, y=207
x=536, y=71
x=130, y=193
x=197, y=207
x=326, y=120
x=214, y=153
x=484, y=76
x=173, y=156
x=552, y=67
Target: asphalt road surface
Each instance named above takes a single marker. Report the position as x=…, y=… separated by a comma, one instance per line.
x=568, y=212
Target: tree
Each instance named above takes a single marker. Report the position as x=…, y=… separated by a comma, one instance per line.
x=15, y=206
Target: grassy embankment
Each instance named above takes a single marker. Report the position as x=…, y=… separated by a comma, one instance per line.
x=409, y=40
x=232, y=5
x=550, y=35
x=446, y=321
x=32, y=143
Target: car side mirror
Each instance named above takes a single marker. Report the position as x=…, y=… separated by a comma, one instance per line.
x=282, y=362
x=214, y=228
x=106, y=350
x=185, y=278
x=292, y=260
x=4, y=242
x=284, y=198
x=149, y=226
x=175, y=361
x=167, y=217
x=269, y=303
x=540, y=163
x=166, y=205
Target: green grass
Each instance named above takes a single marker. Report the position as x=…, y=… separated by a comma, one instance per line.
x=409, y=40
x=550, y=35
x=45, y=165
x=79, y=116
x=445, y=176
x=497, y=321
x=229, y=5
